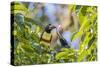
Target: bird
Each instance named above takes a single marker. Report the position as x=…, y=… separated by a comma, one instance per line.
x=46, y=35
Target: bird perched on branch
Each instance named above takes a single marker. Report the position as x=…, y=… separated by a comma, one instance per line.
x=46, y=35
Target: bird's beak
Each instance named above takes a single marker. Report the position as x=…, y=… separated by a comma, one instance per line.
x=52, y=27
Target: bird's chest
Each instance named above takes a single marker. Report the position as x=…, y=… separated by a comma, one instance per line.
x=46, y=36
x=46, y=39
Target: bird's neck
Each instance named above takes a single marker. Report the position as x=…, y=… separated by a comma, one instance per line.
x=48, y=31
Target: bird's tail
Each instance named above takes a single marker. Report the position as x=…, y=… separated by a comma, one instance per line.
x=64, y=42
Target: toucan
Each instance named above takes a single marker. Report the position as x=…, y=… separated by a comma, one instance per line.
x=46, y=35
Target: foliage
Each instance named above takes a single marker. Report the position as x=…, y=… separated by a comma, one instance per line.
x=27, y=29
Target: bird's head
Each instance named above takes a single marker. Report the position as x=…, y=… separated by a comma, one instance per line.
x=49, y=28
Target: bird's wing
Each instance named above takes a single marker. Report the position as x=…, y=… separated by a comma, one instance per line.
x=62, y=40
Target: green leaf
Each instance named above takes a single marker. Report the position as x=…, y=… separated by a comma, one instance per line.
x=18, y=6
x=82, y=56
x=61, y=55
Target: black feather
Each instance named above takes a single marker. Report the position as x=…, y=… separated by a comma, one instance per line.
x=62, y=40
x=64, y=43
